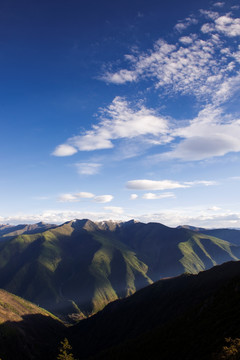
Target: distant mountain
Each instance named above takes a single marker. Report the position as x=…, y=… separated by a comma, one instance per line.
x=7, y=231
x=77, y=268
x=230, y=235
x=187, y=317
x=27, y=331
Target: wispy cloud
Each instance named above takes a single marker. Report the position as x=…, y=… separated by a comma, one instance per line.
x=199, y=67
x=152, y=196
x=75, y=197
x=214, y=208
x=88, y=168
x=204, y=64
x=219, y=4
x=85, y=195
x=120, y=120
x=226, y=24
x=199, y=218
x=153, y=185
x=114, y=209
x=103, y=198
x=133, y=196
x=184, y=24
x=64, y=150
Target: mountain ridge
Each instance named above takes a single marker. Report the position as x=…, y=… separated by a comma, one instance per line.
x=77, y=268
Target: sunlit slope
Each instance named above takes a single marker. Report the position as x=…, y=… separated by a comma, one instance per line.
x=79, y=267
x=172, y=251
x=72, y=268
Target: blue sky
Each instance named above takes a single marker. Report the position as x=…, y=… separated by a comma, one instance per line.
x=120, y=110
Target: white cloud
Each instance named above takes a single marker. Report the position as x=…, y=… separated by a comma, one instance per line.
x=120, y=120
x=228, y=25
x=199, y=68
x=204, y=65
x=184, y=70
x=219, y=4
x=214, y=208
x=114, y=209
x=210, y=14
x=154, y=185
x=103, y=198
x=75, y=197
x=200, y=182
x=133, y=196
x=61, y=216
x=209, y=134
x=198, y=218
x=183, y=25
x=152, y=196
x=186, y=39
x=225, y=24
x=164, y=185
x=88, y=168
x=174, y=217
x=84, y=195
x=67, y=198
x=64, y=150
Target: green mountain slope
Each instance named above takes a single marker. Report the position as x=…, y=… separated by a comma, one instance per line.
x=172, y=251
x=72, y=268
x=77, y=268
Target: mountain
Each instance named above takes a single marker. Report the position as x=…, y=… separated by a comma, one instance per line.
x=27, y=331
x=77, y=268
x=231, y=235
x=186, y=317
x=9, y=231
x=172, y=251
x=72, y=268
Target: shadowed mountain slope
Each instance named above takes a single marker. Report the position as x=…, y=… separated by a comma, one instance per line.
x=187, y=317
x=27, y=331
x=77, y=268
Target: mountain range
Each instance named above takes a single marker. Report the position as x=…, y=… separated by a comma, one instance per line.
x=77, y=268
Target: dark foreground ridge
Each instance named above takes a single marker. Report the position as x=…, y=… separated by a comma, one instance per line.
x=187, y=317
x=27, y=331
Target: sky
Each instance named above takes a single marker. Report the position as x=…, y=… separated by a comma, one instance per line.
x=120, y=110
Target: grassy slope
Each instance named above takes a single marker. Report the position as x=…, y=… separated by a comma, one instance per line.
x=170, y=251
x=71, y=269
